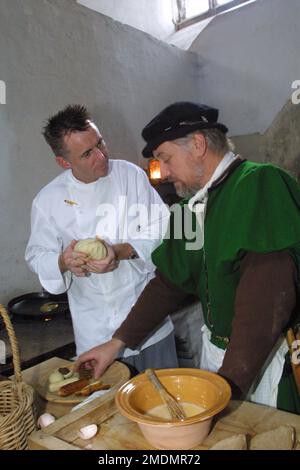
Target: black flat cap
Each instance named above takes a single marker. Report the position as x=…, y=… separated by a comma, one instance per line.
x=178, y=120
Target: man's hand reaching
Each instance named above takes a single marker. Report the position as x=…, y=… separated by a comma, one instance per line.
x=100, y=357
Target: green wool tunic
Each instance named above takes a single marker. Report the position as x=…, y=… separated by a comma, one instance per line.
x=256, y=208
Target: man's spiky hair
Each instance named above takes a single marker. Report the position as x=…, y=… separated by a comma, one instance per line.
x=72, y=118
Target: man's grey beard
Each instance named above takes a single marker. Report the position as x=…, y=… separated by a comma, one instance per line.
x=186, y=192
x=189, y=191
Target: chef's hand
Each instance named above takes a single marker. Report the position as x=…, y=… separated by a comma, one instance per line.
x=74, y=261
x=100, y=357
x=104, y=265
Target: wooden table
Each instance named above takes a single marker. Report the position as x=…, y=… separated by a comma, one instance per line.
x=118, y=433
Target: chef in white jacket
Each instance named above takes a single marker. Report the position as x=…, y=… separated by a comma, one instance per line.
x=111, y=199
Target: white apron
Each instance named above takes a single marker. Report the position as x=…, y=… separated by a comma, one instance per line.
x=265, y=391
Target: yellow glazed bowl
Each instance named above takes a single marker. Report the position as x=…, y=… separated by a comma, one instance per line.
x=205, y=389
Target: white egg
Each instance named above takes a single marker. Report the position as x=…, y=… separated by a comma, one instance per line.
x=45, y=419
x=87, y=432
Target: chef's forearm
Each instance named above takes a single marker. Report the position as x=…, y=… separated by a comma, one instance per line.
x=157, y=301
x=265, y=300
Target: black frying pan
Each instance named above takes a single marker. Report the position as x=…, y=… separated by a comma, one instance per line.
x=38, y=305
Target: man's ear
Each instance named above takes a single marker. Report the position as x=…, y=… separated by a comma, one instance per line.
x=200, y=143
x=63, y=163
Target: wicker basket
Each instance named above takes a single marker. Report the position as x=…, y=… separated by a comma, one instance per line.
x=17, y=417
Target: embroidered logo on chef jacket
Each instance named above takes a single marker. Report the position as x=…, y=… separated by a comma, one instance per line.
x=70, y=203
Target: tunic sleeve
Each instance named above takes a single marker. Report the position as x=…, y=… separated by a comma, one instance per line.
x=265, y=300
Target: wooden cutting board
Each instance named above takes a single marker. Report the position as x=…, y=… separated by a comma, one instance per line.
x=118, y=433
x=38, y=377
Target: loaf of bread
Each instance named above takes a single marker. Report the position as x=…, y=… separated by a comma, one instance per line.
x=73, y=387
x=280, y=438
x=237, y=442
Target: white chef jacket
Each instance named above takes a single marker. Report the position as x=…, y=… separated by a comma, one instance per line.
x=68, y=209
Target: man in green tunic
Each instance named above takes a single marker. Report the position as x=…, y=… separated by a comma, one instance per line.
x=234, y=242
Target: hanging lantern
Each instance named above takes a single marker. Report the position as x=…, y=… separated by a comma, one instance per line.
x=154, y=170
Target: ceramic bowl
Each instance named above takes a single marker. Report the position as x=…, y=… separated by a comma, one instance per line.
x=207, y=390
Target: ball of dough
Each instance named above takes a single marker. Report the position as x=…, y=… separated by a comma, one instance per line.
x=55, y=377
x=92, y=247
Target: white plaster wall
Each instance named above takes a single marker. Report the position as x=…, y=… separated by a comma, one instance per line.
x=151, y=16
x=53, y=53
x=249, y=58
